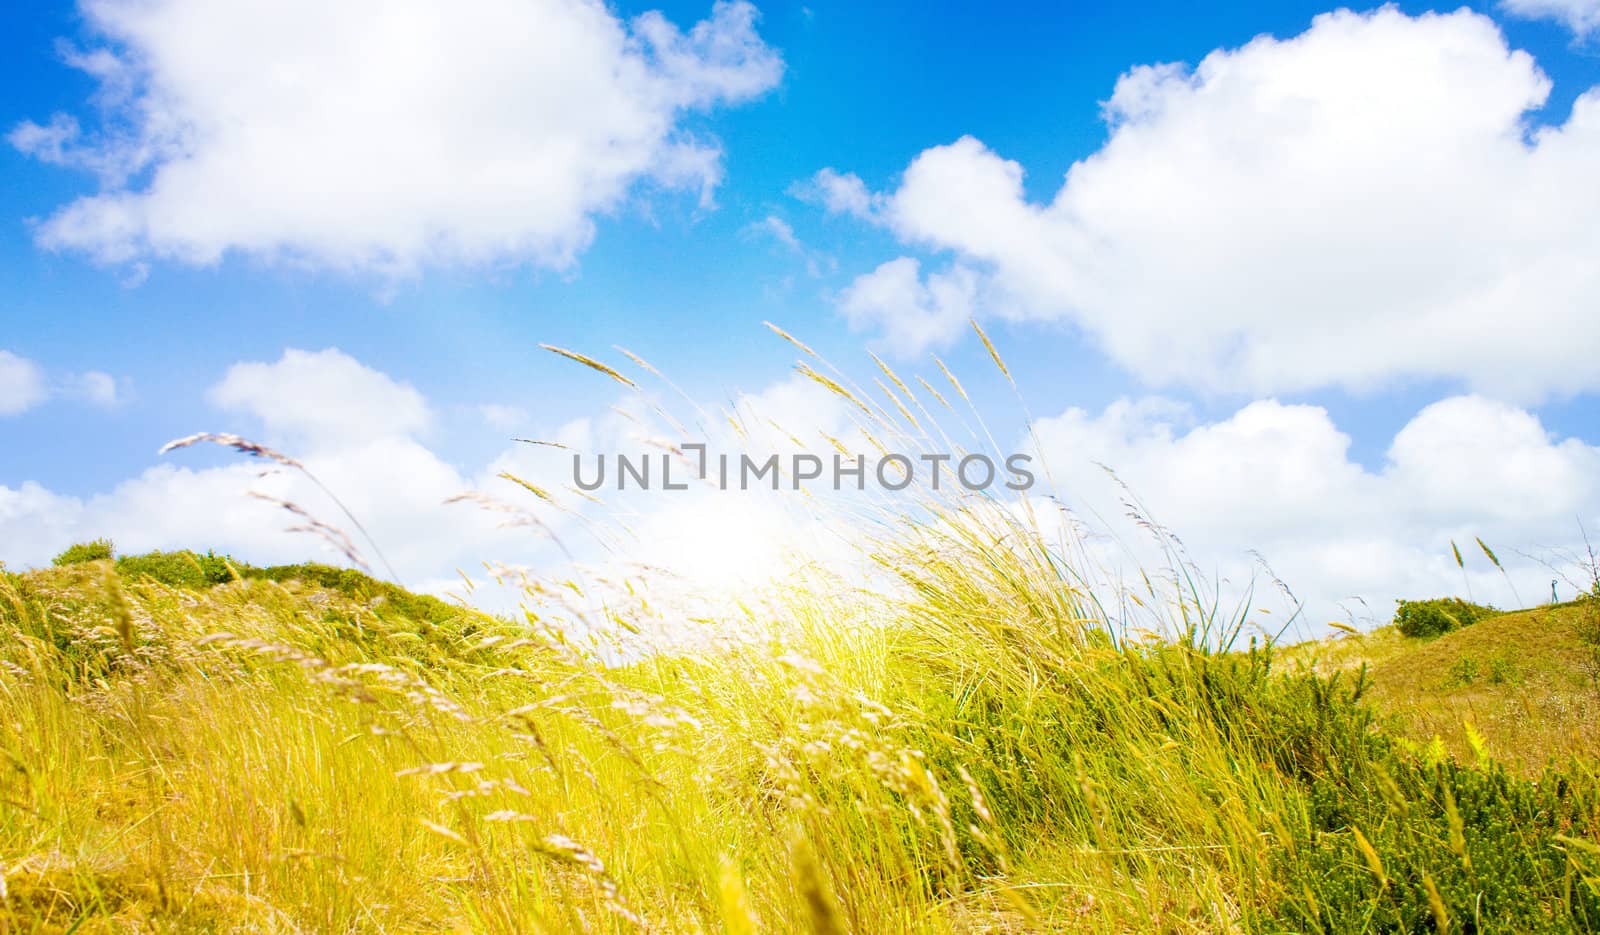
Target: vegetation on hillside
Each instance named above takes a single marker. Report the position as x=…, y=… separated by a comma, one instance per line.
x=193, y=570
x=1522, y=687
x=1438, y=616
x=976, y=743
x=272, y=755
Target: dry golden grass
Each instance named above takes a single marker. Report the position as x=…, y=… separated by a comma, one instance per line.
x=1526, y=683
x=980, y=745
x=275, y=758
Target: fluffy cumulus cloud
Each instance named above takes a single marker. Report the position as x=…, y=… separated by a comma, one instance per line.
x=22, y=384
x=361, y=433
x=322, y=399
x=354, y=428
x=1368, y=201
x=1580, y=16
x=1277, y=481
x=913, y=313
x=838, y=193
x=385, y=136
x=1272, y=478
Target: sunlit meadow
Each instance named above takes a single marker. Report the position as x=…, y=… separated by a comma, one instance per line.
x=963, y=720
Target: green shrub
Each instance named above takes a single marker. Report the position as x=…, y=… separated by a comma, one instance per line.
x=1438, y=616
x=1463, y=671
x=182, y=569
x=1503, y=854
x=186, y=569
x=92, y=551
x=384, y=596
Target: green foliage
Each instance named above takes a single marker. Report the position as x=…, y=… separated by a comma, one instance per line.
x=1502, y=671
x=1464, y=671
x=196, y=571
x=93, y=551
x=1438, y=616
x=1589, y=637
x=182, y=569
x=1502, y=853
x=1187, y=788
x=384, y=597
x=1496, y=848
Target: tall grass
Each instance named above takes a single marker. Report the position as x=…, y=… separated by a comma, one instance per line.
x=982, y=741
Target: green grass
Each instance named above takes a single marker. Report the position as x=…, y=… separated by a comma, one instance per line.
x=981, y=754
x=1527, y=683
x=976, y=743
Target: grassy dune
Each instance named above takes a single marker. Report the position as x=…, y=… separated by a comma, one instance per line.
x=974, y=743
x=1523, y=687
x=984, y=754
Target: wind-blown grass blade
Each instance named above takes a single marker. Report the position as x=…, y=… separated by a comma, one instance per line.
x=1503, y=573
x=236, y=442
x=804, y=348
x=833, y=387
x=591, y=363
x=332, y=535
x=1489, y=552
x=993, y=354
x=257, y=450
x=961, y=391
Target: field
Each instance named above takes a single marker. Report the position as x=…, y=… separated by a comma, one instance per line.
x=1094, y=545
x=311, y=751
x=1524, y=686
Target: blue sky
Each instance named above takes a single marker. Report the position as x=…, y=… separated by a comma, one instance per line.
x=683, y=264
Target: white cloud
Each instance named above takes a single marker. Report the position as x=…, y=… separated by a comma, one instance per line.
x=356, y=430
x=782, y=232
x=386, y=136
x=1278, y=479
x=912, y=313
x=1470, y=457
x=503, y=417
x=1271, y=477
x=35, y=523
x=99, y=389
x=324, y=398
x=1359, y=204
x=353, y=427
x=1580, y=16
x=839, y=193
x=22, y=384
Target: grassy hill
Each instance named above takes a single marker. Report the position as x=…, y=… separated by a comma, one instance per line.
x=1526, y=684
x=307, y=750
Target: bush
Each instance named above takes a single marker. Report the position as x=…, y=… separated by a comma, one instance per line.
x=1438, y=616
x=93, y=551
x=186, y=569
x=1503, y=854
x=362, y=587
x=182, y=569
x=1463, y=671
